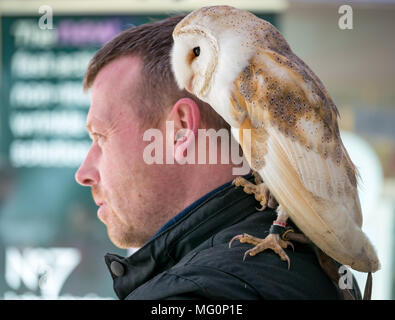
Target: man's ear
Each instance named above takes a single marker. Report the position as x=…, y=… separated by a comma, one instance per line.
x=185, y=115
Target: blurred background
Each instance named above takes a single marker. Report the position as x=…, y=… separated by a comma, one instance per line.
x=51, y=243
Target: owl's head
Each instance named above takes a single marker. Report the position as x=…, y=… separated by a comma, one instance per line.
x=194, y=57
x=208, y=47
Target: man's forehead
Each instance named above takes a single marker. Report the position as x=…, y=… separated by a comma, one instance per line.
x=121, y=71
x=114, y=88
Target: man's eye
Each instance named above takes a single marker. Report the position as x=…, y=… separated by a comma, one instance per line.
x=97, y=137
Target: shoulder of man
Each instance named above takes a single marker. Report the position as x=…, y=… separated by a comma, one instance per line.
x=215, y=271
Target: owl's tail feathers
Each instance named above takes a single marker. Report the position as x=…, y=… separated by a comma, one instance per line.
x=334, y=231
x=340, y=237
x=367, y=294
x=331, y=268
x=365, y=258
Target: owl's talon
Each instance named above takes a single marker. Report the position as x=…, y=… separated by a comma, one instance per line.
x=272, y=241
x=246, y=254
x=263, y=208
x=235, y=238
x=260, y=191
x=289, y=262
x=257, y=178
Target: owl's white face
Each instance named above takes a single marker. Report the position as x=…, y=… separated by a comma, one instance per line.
x=209, y=53
x=194, y=59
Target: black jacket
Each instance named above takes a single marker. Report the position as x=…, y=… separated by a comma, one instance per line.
x=191, y=259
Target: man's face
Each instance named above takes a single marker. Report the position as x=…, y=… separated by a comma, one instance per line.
x=130, y=194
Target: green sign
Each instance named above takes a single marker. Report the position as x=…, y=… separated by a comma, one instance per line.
x=51, y=243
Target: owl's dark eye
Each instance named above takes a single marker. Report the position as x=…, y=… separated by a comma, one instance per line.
x=196, y=51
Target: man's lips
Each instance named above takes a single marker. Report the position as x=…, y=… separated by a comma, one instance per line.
x=97, y=196
x=101, y=211
x=99, y=203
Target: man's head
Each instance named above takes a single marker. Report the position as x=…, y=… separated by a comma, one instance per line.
x=133, y=89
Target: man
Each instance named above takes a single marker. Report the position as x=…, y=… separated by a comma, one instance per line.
x=182, y=216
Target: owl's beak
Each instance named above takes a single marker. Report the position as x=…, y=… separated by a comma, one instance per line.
x=188, y=86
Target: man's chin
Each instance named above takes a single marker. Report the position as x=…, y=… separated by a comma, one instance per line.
x=120, y=234
x=125, y=239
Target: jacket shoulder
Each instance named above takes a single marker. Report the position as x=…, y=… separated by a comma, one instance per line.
x=218, y=272
x=222, y=270
x=214, y=271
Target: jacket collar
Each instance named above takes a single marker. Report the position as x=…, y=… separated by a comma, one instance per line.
x=218, y=210
x=193, y=206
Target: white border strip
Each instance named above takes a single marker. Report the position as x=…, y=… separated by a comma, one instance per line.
x=26, y=7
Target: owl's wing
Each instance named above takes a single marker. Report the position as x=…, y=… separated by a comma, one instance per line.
x=296, y=148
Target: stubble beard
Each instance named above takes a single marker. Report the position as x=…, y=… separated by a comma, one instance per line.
x=122, y=235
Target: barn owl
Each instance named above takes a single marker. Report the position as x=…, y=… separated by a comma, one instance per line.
x=243, y=67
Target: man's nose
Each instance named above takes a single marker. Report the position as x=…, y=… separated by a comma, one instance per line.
x=87, y=174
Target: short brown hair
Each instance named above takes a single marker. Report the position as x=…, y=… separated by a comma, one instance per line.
x=152, y=42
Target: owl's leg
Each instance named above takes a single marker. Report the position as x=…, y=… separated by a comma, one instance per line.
x=272, y=241
x=259, y=189
x=257, y=177
x=271, y=200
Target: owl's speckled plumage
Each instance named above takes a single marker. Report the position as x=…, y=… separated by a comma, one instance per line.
x=247, y=72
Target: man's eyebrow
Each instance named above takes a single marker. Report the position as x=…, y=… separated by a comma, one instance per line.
x=89, y=127
x=94, y=125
